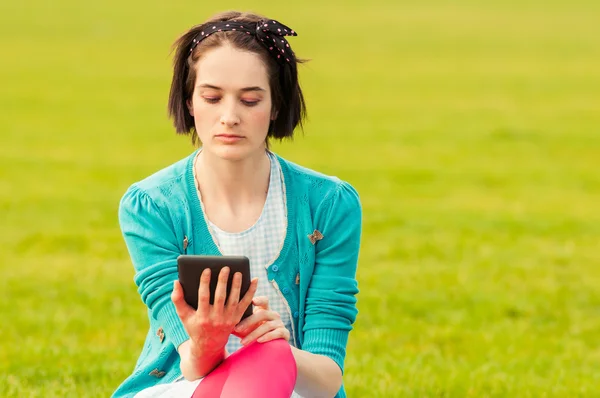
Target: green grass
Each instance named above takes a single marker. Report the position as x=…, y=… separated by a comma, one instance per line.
x=471, y=130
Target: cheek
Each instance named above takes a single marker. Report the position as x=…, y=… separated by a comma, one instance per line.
x=204, y=115
x=200, y=107
x=261, y=115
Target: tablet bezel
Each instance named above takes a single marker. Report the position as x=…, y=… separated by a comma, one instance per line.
x=190, y=268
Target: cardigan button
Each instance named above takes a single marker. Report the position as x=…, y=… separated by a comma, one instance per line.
x=275, y=268
x=161, y=334
x=285, y=290
x=296, y=314
x=158, y=373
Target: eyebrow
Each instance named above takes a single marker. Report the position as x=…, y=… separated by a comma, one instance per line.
x=245, y=89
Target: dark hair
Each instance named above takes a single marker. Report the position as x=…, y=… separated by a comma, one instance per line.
x=287, y=99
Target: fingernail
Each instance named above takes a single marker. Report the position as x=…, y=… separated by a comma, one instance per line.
x=260, y=340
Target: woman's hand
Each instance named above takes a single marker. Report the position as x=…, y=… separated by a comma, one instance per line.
x=262, y=326
x=209, y=326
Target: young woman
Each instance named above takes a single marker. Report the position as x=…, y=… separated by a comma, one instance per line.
x=234, y=88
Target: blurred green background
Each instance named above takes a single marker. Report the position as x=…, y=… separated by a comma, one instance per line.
x=470, y=129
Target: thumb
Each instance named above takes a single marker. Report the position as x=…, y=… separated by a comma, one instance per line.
x=261, y=302
x=181, y=307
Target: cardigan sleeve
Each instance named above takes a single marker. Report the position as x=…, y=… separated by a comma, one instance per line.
x=331, y=299
x=153, y=249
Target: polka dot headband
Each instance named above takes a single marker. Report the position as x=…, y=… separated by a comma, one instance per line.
x=269, y=33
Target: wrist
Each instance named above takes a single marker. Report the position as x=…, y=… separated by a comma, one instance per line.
x=197, y=362
x=206, y=351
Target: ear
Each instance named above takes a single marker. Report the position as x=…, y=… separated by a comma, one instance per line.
x=274, y=115
x=190, y=107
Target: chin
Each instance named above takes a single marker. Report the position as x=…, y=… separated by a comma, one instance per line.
x=234, y=153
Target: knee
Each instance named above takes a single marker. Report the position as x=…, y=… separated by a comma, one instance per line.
x=275, y=352
x=275, y=347
x=255, y=371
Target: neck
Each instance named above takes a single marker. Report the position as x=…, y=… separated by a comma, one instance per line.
x=233, y=182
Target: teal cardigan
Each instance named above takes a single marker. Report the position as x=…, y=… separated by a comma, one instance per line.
x=161, y=218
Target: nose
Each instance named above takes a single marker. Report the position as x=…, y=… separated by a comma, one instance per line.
x=229, y=117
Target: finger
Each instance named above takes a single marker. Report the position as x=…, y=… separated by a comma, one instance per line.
x=234, y=294
x=254, y=320
x=221, y=290
x=281, y=333
x=182, y=308
x=262, y=302
x=262, y=330
x=204, y=292
x=247, y=299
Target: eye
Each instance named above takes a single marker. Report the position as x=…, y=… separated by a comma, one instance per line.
x=250, y=103
x=211, y=100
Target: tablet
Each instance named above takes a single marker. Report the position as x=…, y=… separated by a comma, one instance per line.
x=190, y=269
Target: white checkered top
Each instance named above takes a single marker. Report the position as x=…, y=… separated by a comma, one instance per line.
x=261, y=243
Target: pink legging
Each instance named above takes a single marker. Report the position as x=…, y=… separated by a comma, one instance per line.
x=256, y=371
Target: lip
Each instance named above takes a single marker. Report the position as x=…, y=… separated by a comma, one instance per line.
x=229, y=138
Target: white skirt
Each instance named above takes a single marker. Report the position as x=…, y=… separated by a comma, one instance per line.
x=180, y=388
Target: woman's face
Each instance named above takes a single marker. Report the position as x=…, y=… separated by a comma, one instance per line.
x=231, y=103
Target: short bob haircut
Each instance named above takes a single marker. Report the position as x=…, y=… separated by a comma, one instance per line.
x=288, y=101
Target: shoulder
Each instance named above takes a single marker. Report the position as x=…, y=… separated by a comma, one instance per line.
x=163, y=180
x=320, y=190
x=163, y=184
x=160, y=194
